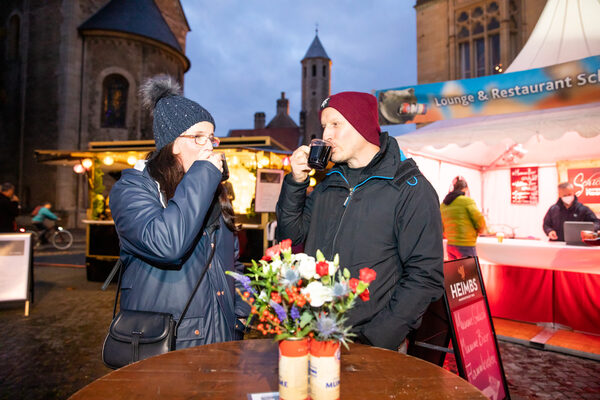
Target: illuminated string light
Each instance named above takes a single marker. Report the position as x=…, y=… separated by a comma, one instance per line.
x=87, y=163
x=108, y=160
x=78, y=169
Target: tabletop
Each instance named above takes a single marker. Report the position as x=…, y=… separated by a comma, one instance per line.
x=539, y=254
x=232, y=370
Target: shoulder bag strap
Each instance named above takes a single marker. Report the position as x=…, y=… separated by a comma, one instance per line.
x=212, y=253
x=119, y=267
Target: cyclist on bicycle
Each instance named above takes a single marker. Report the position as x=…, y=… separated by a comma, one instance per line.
x=43, y=214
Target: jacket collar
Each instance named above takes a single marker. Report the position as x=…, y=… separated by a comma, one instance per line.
x=386, y=164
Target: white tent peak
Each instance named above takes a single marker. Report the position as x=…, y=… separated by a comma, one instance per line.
x=567, y=30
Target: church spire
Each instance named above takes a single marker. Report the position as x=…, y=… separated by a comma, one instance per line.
x=316, y=85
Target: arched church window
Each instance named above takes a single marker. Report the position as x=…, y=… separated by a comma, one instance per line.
x=13, y=37
x=478, y=32
x=314, y=70
x=324, y=71
x=114, y=101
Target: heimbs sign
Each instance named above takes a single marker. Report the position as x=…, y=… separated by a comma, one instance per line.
x=587, y=184
x=476, y=349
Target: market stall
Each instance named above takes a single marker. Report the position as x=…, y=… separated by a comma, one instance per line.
x=514, y=137
x=101, y=165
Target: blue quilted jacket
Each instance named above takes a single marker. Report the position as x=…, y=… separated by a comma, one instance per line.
x=165, y=246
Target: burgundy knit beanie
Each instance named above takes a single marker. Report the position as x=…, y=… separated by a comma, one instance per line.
x=360, y=109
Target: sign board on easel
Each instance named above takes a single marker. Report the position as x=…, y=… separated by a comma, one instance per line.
x=474, y=340
x=16, y=268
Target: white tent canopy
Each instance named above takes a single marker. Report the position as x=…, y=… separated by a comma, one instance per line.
x=475, y=147
x=567, y=30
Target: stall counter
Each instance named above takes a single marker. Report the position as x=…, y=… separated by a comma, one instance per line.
x=542, y=282
x=539, y=254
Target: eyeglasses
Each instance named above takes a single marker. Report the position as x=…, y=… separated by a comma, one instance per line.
x=201, y=140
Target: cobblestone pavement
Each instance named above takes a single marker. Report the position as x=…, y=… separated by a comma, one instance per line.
x=56, y=350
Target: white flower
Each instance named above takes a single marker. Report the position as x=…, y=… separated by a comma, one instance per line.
x=274, y=265
x=306, y=266
x=318, y=293
x=332, y=268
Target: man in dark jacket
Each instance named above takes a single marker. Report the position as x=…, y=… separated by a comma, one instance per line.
x=375, y=209
x=9, y=207
x=567, y=208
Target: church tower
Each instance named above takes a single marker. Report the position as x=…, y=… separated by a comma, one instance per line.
x=316, y=87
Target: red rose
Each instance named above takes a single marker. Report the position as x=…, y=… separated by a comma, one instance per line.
x=322, y=268
x=367, y=275
x=353, y=283
x=285, y=244
x=272, y=252
x=365, y=296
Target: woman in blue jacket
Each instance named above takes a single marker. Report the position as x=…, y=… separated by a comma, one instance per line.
x=170, y=211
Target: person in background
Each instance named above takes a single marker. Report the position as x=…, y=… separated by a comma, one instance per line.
x=172, y=214
x=375, y=209
x=9, y=208
x=39, y=220
x=462, y=221
x=566, y=208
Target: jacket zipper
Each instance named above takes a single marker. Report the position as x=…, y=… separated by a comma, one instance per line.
x=351, y=191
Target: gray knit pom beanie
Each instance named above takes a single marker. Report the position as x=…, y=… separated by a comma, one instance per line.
x=173, y=113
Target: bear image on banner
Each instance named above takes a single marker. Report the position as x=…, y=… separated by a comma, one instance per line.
x=399, y=106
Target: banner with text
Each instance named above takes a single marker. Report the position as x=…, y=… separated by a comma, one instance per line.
x=586, y=182
x=559, y=85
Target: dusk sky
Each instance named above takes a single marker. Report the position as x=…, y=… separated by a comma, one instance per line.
x=244, y=53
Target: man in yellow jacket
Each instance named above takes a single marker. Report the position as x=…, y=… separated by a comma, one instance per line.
x=462, y=221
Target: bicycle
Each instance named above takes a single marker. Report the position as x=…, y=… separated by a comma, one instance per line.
x=58, y=236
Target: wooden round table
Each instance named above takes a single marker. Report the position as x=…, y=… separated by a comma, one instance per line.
x=233, y=370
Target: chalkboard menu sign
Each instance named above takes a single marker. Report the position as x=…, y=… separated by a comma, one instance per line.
x=524, y=185
x=475, y=346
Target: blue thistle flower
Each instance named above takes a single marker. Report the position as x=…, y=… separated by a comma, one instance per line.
x=326, y=326
x=290, y=277
x=279, y=310
x=340, y=290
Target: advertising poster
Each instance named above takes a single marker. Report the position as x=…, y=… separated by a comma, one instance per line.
x=524, y=185
x=586, y=182
x=15, y=265
x=560, y=85
x=476, y=343
x=584, y=175
x=268, y=186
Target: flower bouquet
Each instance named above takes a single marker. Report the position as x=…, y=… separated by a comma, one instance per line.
x=297, y=296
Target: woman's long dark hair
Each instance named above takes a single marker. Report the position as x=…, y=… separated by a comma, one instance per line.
x=167, y=170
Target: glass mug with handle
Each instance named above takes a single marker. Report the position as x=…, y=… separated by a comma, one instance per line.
x=319, y=154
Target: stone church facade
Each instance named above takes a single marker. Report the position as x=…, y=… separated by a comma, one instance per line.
x=70, y=75
x=458, y=39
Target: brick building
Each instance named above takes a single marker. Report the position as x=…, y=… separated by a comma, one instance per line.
x=458, y=39
x=69, y=75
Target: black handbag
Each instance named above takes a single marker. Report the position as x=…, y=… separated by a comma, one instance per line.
x=136, y=335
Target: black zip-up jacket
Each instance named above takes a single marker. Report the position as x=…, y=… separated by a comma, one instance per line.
x=390, y=222
x=557, y=215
